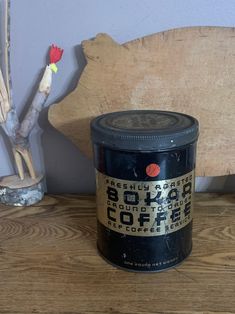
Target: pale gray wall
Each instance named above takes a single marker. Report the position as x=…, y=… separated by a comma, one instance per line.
x=38, y=23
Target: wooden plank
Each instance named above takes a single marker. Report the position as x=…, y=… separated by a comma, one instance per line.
x=190, y=70
x=49, y=263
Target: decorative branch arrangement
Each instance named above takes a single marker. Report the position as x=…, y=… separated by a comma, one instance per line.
x=18, y=133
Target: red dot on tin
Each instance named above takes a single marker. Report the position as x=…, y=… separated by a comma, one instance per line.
x=152, y=170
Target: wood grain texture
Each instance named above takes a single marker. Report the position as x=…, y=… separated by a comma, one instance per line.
x=190, y=70
x=49, y=263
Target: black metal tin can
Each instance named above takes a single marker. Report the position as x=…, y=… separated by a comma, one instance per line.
x=145, y=162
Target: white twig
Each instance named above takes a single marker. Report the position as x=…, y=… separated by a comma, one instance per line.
x=7, y=48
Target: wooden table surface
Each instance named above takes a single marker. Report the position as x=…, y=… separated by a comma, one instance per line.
x=49, y=263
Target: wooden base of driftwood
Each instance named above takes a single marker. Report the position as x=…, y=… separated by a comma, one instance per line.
x=17, y=192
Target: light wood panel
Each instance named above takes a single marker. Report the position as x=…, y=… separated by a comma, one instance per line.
x=49, y=263
x=190, y=70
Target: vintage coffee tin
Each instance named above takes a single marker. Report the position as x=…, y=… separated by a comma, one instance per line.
x=145, y=161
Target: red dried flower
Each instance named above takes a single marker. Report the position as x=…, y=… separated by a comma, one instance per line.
x=55, y=54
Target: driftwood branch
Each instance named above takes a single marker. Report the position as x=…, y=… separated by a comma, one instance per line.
x=37, y=104
x=7, y=49
x=4, y=100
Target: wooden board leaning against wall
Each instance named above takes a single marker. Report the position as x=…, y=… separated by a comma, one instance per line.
x=189, y=70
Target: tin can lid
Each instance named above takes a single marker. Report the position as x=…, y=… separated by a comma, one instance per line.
x=149, y=130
